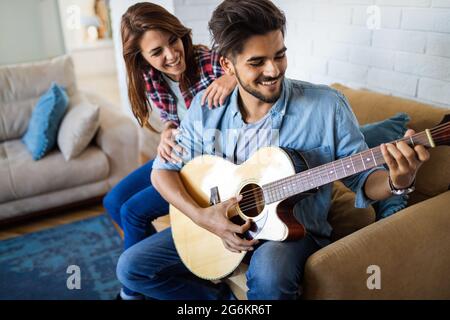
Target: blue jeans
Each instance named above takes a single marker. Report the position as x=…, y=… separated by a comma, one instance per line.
x=153, y=268
x=133, y=204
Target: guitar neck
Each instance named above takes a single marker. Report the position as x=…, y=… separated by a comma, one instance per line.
x=313, y=178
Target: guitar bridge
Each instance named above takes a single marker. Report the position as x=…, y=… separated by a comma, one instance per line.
x=214, y=197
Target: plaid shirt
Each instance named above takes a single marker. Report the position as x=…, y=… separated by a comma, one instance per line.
x=158, y=91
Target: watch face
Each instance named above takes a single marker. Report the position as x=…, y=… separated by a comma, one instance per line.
x=399, y=192
x=403, y=191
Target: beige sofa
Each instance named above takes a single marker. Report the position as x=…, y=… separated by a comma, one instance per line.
x=28, y=186
x=411, y=248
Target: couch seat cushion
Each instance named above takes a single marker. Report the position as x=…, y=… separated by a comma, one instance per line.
x=6, y=188
x=343, y=216
x=51, y=173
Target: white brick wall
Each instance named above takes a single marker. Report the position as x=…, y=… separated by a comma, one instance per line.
x=399, y=40
x=330, y=41
x=390, y=80
x=437, y=20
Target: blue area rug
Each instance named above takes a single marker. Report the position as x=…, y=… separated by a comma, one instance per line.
x=35, y=266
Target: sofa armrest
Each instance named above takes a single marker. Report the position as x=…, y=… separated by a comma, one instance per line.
x=117, y=137
x=411, y=249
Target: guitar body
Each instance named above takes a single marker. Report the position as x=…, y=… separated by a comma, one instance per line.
x=203, y=252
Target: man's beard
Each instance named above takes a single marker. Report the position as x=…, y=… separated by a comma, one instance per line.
x=258, y=94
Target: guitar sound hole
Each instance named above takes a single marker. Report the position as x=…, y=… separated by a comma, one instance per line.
x=252, y=203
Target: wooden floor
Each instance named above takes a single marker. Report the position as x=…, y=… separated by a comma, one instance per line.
x=68, y=216
x=50, y=221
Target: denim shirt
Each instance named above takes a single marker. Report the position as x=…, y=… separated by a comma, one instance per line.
x=313, y=119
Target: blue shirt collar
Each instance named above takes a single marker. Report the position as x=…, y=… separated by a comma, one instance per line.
x=278, y=108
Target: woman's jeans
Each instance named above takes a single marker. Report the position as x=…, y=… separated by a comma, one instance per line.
x=133, y=204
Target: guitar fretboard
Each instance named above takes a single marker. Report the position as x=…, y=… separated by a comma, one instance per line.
x=336, y=170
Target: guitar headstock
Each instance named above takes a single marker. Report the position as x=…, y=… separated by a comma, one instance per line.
x=441, y=133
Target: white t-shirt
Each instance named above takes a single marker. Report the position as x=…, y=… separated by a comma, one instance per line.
x=253, y=136
x=175, y=88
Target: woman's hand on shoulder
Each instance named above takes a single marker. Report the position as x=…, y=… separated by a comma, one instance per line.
x=167, y=144
x=218, y=91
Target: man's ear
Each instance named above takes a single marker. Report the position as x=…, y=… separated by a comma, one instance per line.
x=227, y=66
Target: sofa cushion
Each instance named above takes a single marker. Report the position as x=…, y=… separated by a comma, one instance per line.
x=6, y=186
x=14, y=118
x=386, y=130
x=78, y=128
x=343, y=217
x=40, y=137
x=21, y=85
x=54, y=172
x=434, y=176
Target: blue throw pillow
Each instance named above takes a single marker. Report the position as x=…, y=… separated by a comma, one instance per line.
x=42, y=129
x=381, y=132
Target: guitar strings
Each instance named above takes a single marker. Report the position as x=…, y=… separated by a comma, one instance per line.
x=260, y=193
x=272, y=186
x=346, y=159
x=323, y=170
x=250, y=204
x=442, y=138
x=440, y=126
x=302, y=180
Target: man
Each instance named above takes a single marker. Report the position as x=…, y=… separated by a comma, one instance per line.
x=249, y=34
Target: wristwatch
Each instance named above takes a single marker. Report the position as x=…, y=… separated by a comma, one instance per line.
x=400, y=192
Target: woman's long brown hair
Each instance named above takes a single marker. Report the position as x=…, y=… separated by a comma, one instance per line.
x=138, y=19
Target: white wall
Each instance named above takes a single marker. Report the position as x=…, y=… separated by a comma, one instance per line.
x=30, y=30
x=330, y=41
x=195, y=14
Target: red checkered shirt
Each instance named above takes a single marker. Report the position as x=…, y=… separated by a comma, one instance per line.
x=158, y=91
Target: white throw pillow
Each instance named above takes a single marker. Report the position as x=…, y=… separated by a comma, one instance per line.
x=78, y=128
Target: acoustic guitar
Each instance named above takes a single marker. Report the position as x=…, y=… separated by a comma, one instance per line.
x=271, y=182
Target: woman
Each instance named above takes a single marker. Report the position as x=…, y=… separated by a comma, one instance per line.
x=166, y=69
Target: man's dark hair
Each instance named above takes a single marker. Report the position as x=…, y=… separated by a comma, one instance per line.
x=234, y=21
